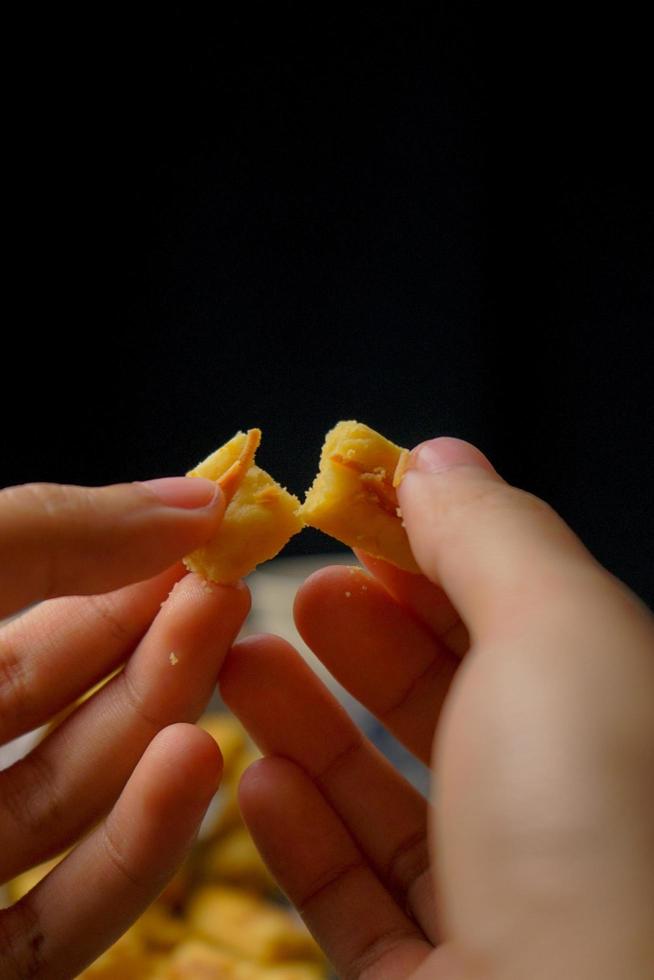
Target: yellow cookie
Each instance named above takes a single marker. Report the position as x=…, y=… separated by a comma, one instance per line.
x=198, y=960
x=234, y=859
x=248, y=926
x=229, y=734
x=260, y=517
x=353, y=497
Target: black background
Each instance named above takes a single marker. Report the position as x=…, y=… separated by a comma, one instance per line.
x=432, y=218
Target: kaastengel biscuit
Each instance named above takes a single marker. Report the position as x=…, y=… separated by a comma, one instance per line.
x=353, y=498
x=259, y=519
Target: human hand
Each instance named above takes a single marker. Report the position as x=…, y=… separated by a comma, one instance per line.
x=525, y=672
x=121, y=758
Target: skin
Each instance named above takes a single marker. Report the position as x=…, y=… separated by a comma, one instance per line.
x=515, y=666
x=523, y=673
x=126, y=772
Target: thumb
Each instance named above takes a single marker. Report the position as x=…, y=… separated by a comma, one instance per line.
x=489, y=545
x=62, y=540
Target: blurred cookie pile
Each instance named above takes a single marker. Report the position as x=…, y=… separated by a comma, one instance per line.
x=221, y=917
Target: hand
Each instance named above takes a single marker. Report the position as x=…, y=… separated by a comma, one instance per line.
x=536, y=856
x=119, y=763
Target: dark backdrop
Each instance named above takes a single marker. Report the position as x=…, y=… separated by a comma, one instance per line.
x=424, y=216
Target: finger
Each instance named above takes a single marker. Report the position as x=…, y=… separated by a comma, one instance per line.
x=57, y=651
x=378, y=651
x=89, y=899
x=74, y=776
x=290, y=713
x=57, y=540
x=320, y=868
x=494, y=549
x=425, y=599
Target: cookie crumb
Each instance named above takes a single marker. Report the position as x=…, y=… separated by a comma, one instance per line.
x=173, y=659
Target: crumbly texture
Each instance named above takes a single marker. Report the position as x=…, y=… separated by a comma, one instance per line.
x=260, y=518
x=353, y=498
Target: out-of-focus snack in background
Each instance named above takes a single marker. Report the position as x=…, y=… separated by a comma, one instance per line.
x=241, y=923
x=222, y=916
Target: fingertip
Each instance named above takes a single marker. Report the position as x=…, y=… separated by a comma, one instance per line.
x=186, y=493
x=318, y=580
x=245, y=659
x=242, y=593
x=187, y=759
x=260, y=645
x=182, y=739
x=320, y=589
x=235, y=593
x=253, y=782
x=338, y=600
x=207, y=758
x=444, y=453
x=483, y=541
x=306, y=595
x=195, y=604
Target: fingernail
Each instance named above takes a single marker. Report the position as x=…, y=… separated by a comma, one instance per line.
x=188, y=493
x=441, y=454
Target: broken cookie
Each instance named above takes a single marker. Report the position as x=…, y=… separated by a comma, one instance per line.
x=260, y=515
x=353, y=498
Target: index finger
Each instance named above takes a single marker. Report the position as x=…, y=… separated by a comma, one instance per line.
x=57, y=540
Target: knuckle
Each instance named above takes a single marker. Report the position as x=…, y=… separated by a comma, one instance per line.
x=39, y=510
x=21, y=943
x=457, y=504
x=31, y=797
x=103, y=609
x=48, y=499
x=428, y=678
x=114, y=853
x=331, y=879
x=340, y=760
x=370, y=961
x=529, y=502
x=408, y=862
x=487, y=495
x=138, y=703
x=47, y=518
x=488, y=500
x=14, y=687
